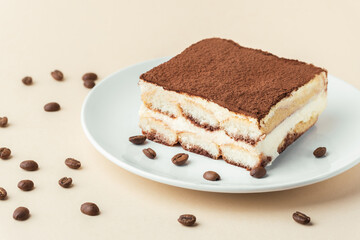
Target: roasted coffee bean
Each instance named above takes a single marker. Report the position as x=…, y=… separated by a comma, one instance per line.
x=5, y=153
x=180, y=159
x=21, y=214
x=301, y=218
x=140, y=139
x=258, y=172
x=211, y=176
x=320, y=152
x=187, y=219
x=3, y=121
x=27, y=80
x=89, y=76
x=52, y=107
x=90, y=209
x=29, y=165
x=89, y=84
x=149, y=153
x=3, y=193
x=72, y=163
x=26, y=185
x=57, y=75
x=65, y=182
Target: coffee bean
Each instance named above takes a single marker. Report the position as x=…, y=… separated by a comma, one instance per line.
x=27, y=80
x=72, y=163
x=29, y=165
x=52, y=107
x=21, y=214
x=57, y=75
x=211, y=176
x=90, y=209
x=180, y=159
x=5, y=153
x=137, y=140
x=89, y=76
x=65, y=182
x=149, y=153
x=26, y=185
x=3, y=121
x=320, y=152
x=3, y=193
x=187, y=219
x=89, y=84
x=301, y=218
x=258, y=172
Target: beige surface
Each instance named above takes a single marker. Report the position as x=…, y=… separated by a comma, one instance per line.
x=103, y=36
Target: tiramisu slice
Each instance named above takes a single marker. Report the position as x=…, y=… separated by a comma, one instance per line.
x=220, y=99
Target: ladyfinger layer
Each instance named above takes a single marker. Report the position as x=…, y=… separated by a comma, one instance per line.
x=194, y=135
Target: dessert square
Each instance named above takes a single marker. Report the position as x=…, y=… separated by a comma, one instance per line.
x=222, y=100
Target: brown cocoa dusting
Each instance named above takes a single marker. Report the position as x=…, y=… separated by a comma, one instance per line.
x=243, y=80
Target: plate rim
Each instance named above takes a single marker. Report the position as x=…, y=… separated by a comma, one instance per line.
x=355, y=159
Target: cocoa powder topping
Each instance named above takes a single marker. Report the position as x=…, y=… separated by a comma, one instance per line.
x=243, y=80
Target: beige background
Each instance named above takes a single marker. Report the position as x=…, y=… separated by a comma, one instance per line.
x=74, y=36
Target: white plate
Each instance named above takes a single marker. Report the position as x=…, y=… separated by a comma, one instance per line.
x=110, y=116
